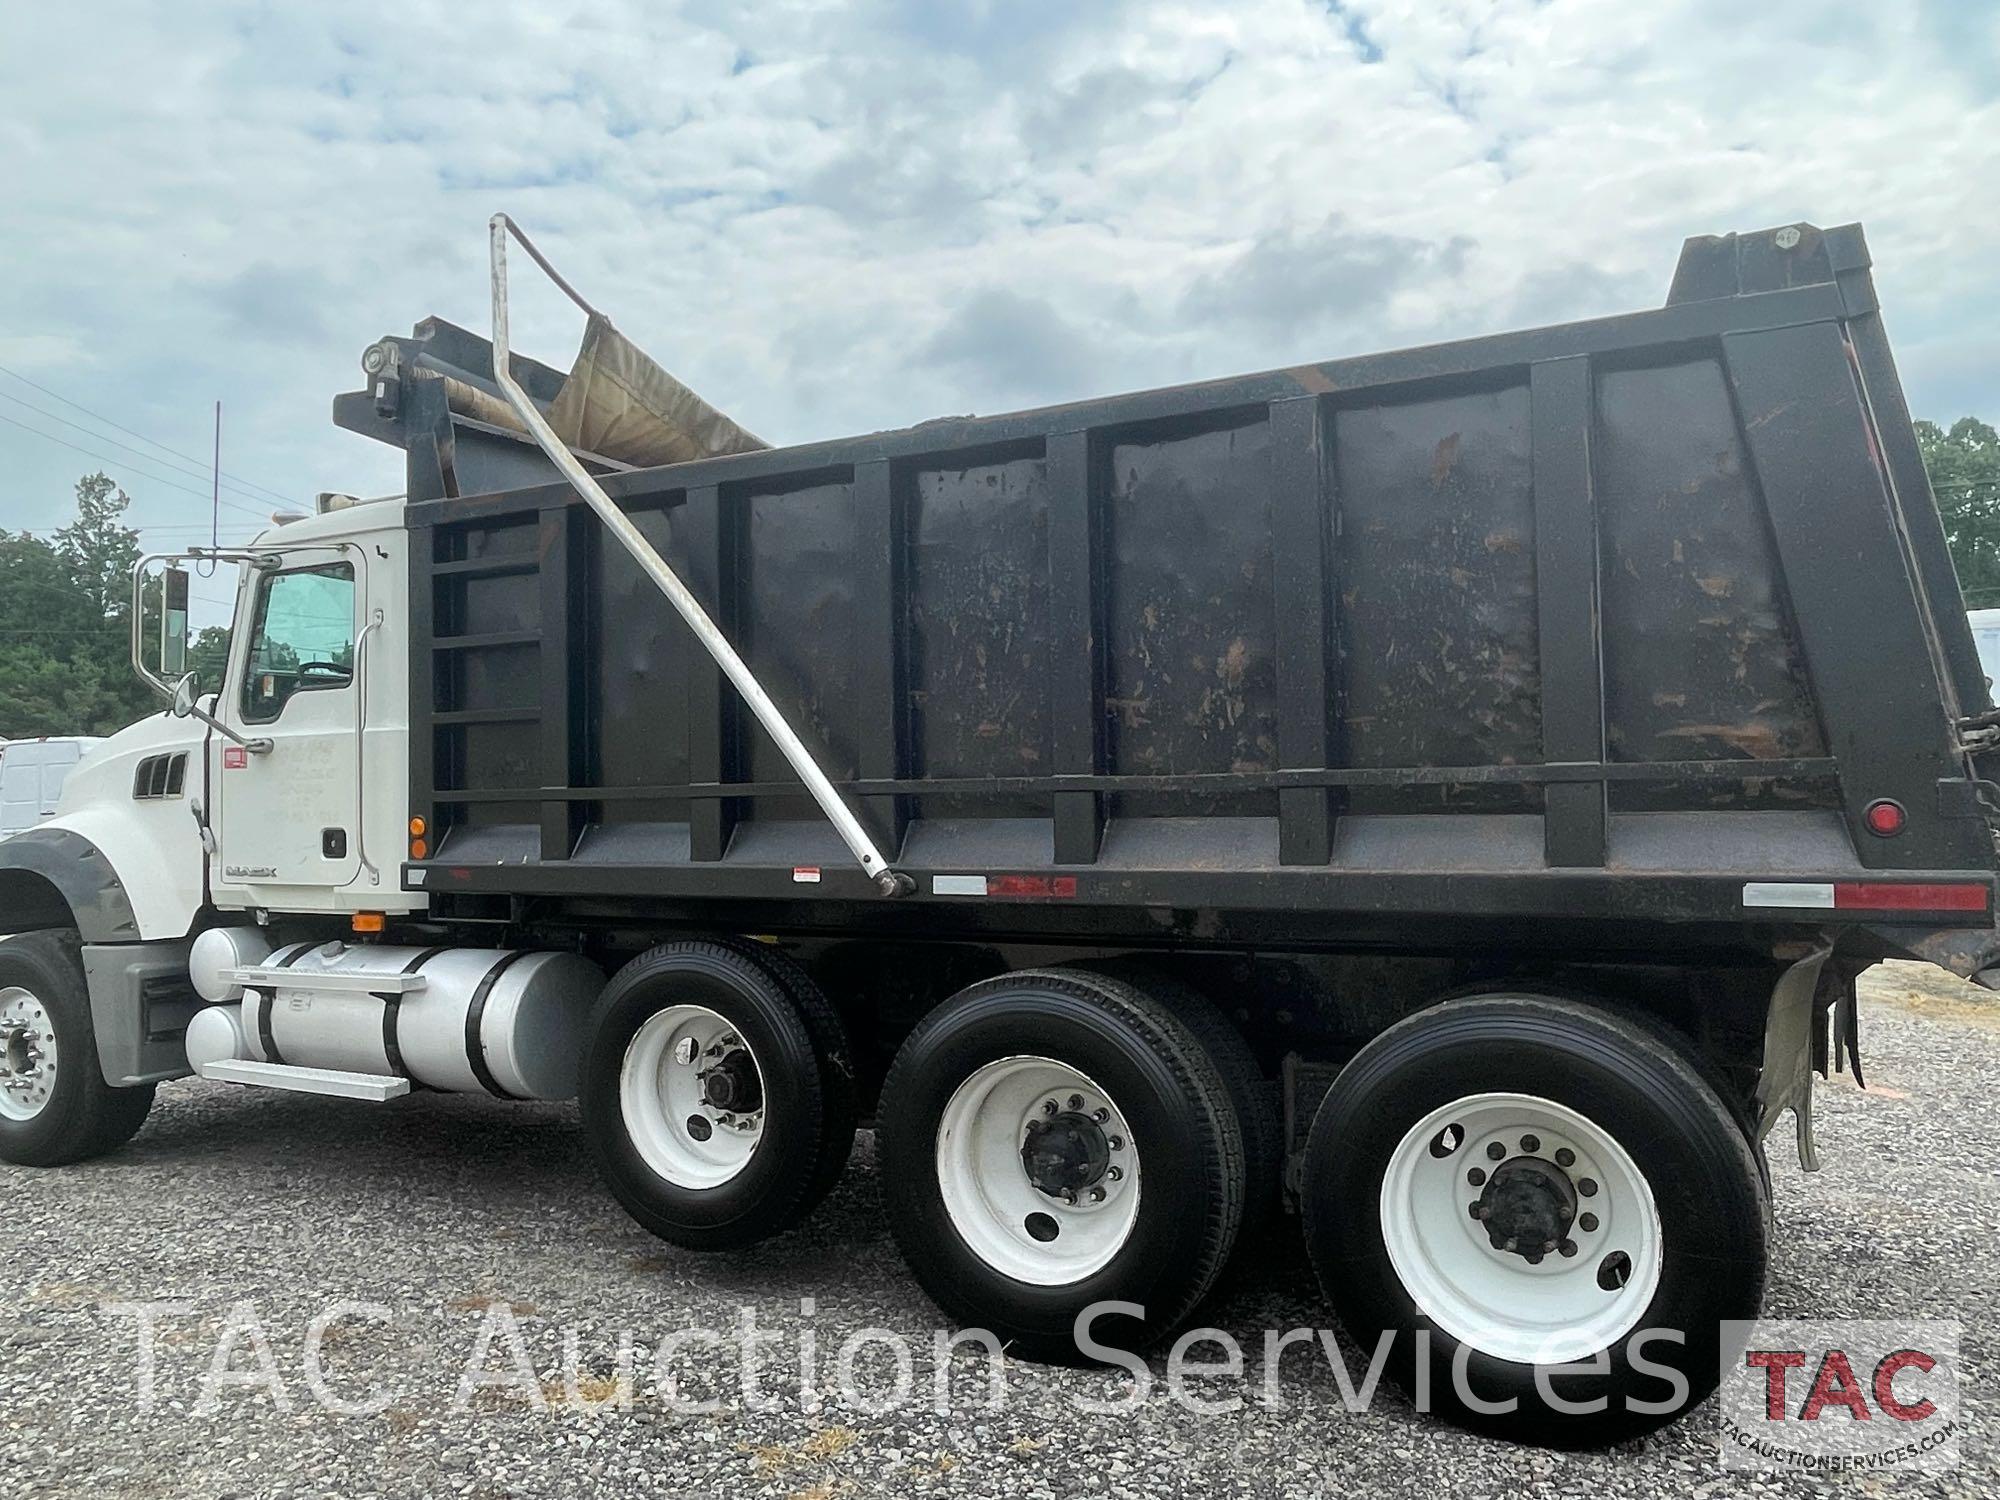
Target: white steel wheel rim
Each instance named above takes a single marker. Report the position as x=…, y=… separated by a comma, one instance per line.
x=662, y=1098
x=1014, y=1226
x=1566, y=1307
x=27, y=1054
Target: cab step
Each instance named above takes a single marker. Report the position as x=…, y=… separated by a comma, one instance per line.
x=376, y=1088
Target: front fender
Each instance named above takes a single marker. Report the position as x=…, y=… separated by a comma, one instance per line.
x=99, y=906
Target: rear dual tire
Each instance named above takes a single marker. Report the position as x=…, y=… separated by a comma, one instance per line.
x=1606, y=1139
x=1051, y=1140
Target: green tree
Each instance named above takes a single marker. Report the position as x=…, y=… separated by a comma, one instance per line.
x=208, y=656
x=98, y=548
x=1964, y=466
x=65, y=623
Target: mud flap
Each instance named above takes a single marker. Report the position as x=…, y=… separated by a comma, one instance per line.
x=1786, y=1079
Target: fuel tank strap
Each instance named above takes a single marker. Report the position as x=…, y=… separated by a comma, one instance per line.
x=267, y=1001
x=475, y=1017
x=392, y=1004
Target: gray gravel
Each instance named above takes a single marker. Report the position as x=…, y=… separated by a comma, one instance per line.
x=439, y=1207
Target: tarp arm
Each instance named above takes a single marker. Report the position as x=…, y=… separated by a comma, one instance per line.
x=852, y=833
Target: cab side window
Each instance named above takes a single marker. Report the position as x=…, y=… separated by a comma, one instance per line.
x=302, y=640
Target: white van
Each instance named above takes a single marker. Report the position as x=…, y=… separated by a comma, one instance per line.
x=1986, y=635
x=31, y=778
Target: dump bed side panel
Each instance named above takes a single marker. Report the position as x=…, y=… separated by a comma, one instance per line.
x=1637, y=602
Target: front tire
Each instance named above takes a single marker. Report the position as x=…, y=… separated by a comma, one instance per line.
x=1511, y=1181
x=1049, y=1140
x=55, y=1107
x=716, y=1094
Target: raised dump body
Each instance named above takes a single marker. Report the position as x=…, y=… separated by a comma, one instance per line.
x=1628, y=621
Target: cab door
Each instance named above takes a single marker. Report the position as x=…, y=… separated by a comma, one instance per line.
x=287, y=817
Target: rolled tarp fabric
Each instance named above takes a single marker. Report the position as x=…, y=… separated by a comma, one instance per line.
x=619, y=404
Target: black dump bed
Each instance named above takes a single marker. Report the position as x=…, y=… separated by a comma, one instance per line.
x=1582, y=632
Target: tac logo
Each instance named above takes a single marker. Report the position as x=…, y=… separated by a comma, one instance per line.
x=1840, y=1397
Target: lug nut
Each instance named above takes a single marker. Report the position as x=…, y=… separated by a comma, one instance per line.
x=1099, y=1116
x=1564, y=1212
x=1530, y=1144
x=1588, y=1187
x=1587, y=1223
x=1565, y=1157
x=1496, y=1152
x=1051, y=1107
x=1116, y=1143
x=1567, y=1248
x=1097, y=1195
x=1076, y=1101
x=1479, y=1210
x=1116, y=1174
x=1477, y=1177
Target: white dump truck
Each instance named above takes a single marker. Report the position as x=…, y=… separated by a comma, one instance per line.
x=1448, y=794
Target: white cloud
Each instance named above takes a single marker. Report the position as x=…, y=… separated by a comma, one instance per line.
x=835, y=218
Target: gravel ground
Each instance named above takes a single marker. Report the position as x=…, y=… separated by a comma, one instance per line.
x=459, y=1215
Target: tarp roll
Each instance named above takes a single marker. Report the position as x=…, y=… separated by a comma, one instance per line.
x=618, y=403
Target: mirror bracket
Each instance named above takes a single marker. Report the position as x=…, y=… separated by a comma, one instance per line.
x=186, y=705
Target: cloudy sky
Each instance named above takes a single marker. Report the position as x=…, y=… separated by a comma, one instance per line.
x=831, y=218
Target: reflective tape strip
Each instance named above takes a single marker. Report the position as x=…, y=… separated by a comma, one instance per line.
x=1868, y=895
x=958, y=885
x=1797, y=894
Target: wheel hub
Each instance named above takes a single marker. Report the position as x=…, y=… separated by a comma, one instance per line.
x=1527, y=1207
x=27, y=1055
x=1522, y=1227
x=732, y=1084
x=1065, y=1155
x=19, y=1057
x=691, y=1097
x=1038, y=1169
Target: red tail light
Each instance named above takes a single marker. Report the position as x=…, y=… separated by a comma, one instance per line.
x=1885, y=819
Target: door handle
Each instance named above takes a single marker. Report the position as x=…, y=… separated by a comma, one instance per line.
x=201, y=822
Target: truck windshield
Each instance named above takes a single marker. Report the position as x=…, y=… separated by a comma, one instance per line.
x=303, y=638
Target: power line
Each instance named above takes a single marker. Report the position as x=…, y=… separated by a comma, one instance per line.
x=155, y=531
x=178, y=527
x=125, y=463
x=126, y=447
x=79, y=406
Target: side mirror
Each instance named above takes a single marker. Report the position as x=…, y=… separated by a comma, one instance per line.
x=173, y=621
x=185, y=693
